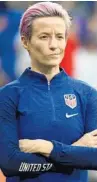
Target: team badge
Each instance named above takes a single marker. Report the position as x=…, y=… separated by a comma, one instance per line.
x=70, y=100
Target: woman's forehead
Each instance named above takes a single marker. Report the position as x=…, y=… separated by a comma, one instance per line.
x=48, y=24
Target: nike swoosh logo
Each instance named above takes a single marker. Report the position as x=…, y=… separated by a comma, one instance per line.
x=71, y=115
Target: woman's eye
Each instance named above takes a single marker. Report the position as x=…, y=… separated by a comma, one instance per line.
x=44, y=37
x=60, y=37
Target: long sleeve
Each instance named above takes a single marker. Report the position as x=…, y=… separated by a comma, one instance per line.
x=12, y=161
x=91, y=112
x=74, y=156
x=80, y=157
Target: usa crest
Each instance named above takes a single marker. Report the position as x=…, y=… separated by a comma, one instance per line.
x=70, y=100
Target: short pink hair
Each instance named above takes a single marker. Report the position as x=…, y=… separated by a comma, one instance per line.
x=42, y=9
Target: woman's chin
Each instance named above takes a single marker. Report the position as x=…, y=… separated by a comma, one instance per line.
x=53, y=63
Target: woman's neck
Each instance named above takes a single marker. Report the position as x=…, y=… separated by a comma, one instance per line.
x=48, y=71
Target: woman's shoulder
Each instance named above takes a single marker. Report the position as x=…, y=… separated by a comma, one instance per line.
x=10, y=91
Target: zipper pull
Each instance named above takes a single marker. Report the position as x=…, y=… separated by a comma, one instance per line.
x=48, y=85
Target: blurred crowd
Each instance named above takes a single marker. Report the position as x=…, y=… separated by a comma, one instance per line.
x=80, y=58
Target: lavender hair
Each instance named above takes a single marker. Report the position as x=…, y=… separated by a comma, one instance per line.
x=42, y=9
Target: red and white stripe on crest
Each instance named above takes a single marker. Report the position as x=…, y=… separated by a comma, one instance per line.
x=70, y=100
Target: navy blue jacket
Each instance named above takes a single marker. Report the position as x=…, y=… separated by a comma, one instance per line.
x=62, y=112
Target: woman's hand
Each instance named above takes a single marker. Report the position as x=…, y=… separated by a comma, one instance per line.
x=87, y=140
x=43, y=147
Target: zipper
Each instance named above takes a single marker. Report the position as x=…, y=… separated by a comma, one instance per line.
x=48, y=85
x=52, y=102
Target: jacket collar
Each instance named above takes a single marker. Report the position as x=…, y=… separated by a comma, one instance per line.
x=30, y=76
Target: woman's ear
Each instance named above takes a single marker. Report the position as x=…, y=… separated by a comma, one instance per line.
x=25, y=42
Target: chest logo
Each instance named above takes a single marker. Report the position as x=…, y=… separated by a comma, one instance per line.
x=71, y=115
x=70, y=100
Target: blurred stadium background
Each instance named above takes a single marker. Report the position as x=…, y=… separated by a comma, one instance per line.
x=80, y=60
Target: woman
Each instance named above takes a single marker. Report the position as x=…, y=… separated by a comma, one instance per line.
x=45, y=103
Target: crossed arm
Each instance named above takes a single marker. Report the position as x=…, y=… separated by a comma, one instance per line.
x=45, y=147
x=81, y=154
